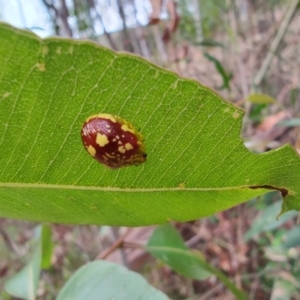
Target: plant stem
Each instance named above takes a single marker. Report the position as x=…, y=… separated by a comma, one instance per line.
x=274, y=46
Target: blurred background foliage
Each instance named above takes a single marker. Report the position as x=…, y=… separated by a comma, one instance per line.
x=247, y=50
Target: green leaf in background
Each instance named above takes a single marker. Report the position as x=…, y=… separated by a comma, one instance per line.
x=294, y=95
x=167, y=245
x=197, y=163
x=24, y=284
x=103, y=280
x=291, y=122
x=219, y=67
x=47, y=246
x=290, y=239
x=282, y=289
x=266, y=221
x=163, y=244
x=209, y=43
x=167, y=236
x=260, y=99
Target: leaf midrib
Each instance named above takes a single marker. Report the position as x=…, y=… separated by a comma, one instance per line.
x=111, y=189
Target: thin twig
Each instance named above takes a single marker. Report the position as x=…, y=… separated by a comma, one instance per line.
x=274, y=46
x=63, y=14
x=10, y=244
x=115, y=232
x=133, y=245
x=117, y=244
x=106, y=33
x=211, y=292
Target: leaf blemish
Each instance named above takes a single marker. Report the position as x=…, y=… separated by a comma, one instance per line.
x=181, y=185
x=284, y=192
x=58, y=50
x=41, y=67
x=45, y=50
x=6, y=94
x=235, y=115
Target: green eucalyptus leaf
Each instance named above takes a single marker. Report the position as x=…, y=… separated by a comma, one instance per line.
x=167, y=245
x=221, y=70
x=195, y=267
x=260, y=99
x=266, y=221
x=209, y=43
x=24, y=284
x=164, y=243
x=197, y=163
x=105, y=280
x=47, y=246
x=291, y=239
x=291, y=122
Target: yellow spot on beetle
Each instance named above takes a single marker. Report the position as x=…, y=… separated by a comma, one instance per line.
x=107, y=116
x=109, y=155
x=125, y=127
x=102, y=139
x=122, y=149
x=91, y=150
x=128, y=146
